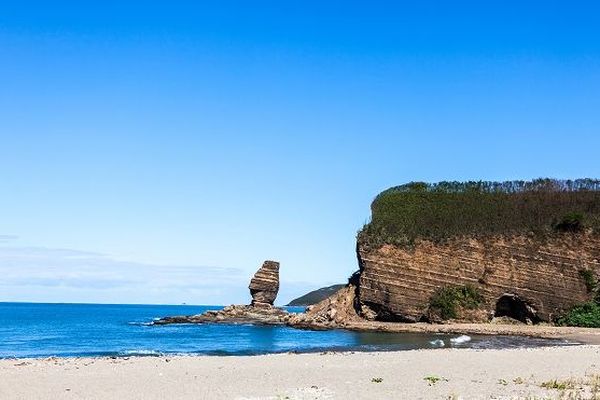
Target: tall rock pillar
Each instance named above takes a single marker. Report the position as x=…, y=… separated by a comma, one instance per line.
x=265, y=284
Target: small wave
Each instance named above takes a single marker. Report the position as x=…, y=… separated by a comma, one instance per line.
x=137, y=323
x=437, y=343
x=140, y=353
x=460, y=339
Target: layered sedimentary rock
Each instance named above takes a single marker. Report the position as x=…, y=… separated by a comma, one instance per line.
x=522, y=277
x=336, y=311
x=265, y=284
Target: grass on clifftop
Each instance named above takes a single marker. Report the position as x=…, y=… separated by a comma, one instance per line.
x=449, y=209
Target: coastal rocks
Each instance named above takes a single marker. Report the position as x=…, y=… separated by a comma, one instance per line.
x=234, y=314
x=263, y=288
x=265, y=284
x=519, y=277
x=336, y=311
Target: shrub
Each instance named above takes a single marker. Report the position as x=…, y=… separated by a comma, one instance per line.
x=585, y=315
x=442, y=210
x=446, y=301
x=589, y=279
x=572, y=222
x=559, y=385
x=433, y=379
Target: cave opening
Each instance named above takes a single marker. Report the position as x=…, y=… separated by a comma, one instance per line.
x=512, y=306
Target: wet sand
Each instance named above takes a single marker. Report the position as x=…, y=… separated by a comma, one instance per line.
x=582, y=335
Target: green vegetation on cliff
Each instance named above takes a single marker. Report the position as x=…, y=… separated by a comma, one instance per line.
x=585, y=315
x=449, y=209
x=445, y=302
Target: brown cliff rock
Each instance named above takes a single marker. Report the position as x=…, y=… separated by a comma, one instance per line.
x=334, y=312
x=265, y=284
x=521, y=277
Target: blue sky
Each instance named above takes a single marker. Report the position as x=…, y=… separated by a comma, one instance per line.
x=159, y=153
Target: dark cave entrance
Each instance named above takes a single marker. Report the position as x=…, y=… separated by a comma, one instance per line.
x=512, y=306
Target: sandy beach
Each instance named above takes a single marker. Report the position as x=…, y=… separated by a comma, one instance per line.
x=552, y=372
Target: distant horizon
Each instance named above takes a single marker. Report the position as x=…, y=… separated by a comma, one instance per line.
x=158, y=154
x=130, y=304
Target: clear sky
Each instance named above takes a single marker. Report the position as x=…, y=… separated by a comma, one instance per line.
x=158, y=153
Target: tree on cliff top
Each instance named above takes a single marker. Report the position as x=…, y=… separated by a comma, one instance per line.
x=438, y=211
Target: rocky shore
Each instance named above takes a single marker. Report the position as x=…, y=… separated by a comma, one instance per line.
x=339, y=312
x=276, y=316
x=234, y=314
x=263, y=287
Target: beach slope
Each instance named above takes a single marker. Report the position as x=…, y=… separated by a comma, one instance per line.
x=422, y=374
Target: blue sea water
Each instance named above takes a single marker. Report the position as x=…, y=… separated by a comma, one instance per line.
x=43, y=330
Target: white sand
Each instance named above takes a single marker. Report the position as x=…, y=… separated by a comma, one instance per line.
x=468, y=374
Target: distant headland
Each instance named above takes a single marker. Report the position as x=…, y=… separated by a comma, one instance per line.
x=315, y=296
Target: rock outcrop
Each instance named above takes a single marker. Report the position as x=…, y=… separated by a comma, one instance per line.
x=522, y=277
x=336, y=311
x=265, y=284
x=233, y=314
x=263, y=288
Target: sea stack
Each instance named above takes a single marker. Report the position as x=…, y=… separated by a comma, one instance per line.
x=265, y=284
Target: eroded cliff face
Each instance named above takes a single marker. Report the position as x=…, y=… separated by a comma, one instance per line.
x=518, y=276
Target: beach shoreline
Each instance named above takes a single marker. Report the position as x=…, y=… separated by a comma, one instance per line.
x=426, y=374
x=590, y=336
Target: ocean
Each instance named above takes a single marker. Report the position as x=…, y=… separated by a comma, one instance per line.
x=77, y=330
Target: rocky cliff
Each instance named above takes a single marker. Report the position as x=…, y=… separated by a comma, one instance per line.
x=525, y=250
x=518, y=276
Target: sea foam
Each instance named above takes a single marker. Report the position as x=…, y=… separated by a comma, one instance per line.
x=460, y=339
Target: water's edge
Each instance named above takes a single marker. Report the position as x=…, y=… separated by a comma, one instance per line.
x=35, y=330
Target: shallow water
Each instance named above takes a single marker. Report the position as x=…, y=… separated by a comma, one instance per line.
x=42, y=330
